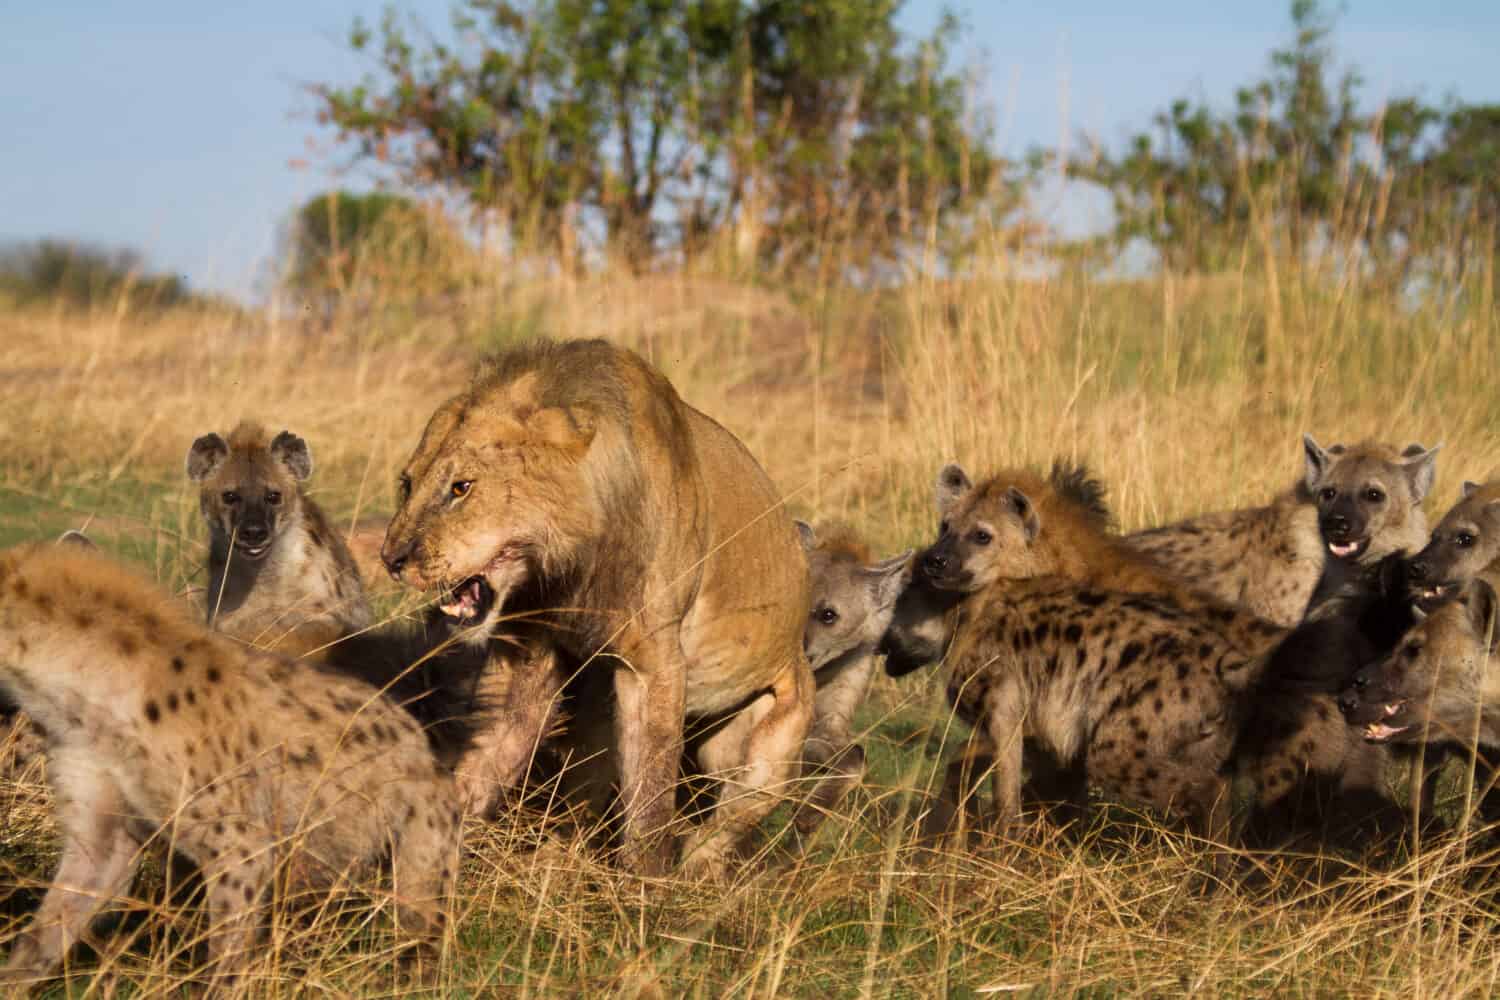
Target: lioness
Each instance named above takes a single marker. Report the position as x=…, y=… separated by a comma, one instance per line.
x=571, y=477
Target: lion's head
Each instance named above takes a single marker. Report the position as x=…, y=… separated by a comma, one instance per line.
x=504, y=488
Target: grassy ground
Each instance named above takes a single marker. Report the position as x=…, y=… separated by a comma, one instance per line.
x=1183, y=393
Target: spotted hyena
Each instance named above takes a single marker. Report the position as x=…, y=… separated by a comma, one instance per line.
x=1464, y=545
x=853, y=597
x=161, y=731
x=1129, y=692
x=1313, y=776
x=1357, y=504
x=279, y=574
x=1017, y=525
x=1440, y=685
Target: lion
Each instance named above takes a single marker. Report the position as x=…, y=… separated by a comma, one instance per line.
x=570, y=482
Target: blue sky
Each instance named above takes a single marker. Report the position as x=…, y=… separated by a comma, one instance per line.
x=175, y=127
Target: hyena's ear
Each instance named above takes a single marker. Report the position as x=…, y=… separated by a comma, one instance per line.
x=806, y=535
x=1483, y=605
x=76, y=539
x=1421, y=466
x=292, y=452
x=1318, y=461
x=952, y=484
x=205, y=456
x=888, y=578
x=1031, y=521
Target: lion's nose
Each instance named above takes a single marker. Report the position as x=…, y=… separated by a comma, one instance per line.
x=396, y=558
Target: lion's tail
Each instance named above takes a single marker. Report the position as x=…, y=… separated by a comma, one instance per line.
x=426, y=673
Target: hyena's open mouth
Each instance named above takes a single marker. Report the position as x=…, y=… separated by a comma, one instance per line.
x=1428, y=597
x=1379, y=732
x=1348, y=549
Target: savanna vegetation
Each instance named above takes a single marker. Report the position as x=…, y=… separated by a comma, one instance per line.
x=858, y=310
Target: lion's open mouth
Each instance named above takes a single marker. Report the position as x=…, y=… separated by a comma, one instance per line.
x=1350, y=549
x=469, y=601
x=1380, y=731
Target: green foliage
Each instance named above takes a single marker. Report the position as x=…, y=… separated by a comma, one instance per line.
x=341, y=242
x=85, y=276
x=1296, y=163
x=652, y=126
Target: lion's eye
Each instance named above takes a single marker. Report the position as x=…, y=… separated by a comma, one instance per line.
x=981, y=537
x=230, y=498
x=1463, y=539
x=461, y=487
x=1328, y=493
x=273, y=498
x=1412, y=651
x=1375, y=496
x=827, y=616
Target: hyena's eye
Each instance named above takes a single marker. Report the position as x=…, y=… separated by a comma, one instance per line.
x=230, y=498
x=1328, y=493
x=981, y=537
x=1374, y=495
x=827, y=616
x=1463, y=539
x=461, y=488
x=273, y=498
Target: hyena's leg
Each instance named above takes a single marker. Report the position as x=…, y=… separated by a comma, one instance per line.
x=753, y=756
x=424, y=865
x=956, y=807
x=238, y=882
x=650, y=696
x=99, y=859
x=522, y=691
x=1004, y=724
x=831, y=761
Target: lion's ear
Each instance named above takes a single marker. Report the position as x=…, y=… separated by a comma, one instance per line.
x=571, y=430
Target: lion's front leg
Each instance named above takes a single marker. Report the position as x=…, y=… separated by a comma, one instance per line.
x=521, y=689
x=649, y=690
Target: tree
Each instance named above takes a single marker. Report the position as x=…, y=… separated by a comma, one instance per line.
x=650, y=125
x=336, y=238
x=84, y=275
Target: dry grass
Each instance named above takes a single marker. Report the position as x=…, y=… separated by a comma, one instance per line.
x=1184, y=393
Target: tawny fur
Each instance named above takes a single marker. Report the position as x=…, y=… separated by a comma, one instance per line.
x=571, y=479
x=159, y=730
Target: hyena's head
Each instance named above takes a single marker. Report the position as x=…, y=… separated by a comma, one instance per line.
x=1369, y=497
x=1464, y=544
x=1442, y=671
x=249, y=489
x=853, y=597
x=994, y=531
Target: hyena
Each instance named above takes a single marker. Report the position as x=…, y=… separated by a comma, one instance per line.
x=1440, y=685
x=161, y=730
x=1356, y=504
x=1312, y=774
x=1464, y=545
x=279, y=574
x=1017, y=525
x=852, y=599
x=1126, y=691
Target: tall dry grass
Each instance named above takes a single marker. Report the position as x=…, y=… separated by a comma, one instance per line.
x=1184, y=392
